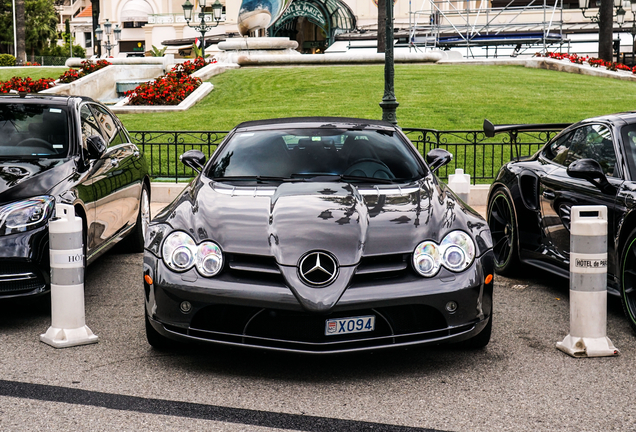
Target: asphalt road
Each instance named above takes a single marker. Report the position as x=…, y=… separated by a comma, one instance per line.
x=520, y=382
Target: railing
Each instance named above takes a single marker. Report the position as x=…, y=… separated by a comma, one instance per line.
x=163, y=148
x=477, y=155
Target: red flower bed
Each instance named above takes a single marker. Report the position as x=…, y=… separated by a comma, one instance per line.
x=90, y=67
x=592, y=61
x=71, y=75
x=26, y=85
x=87, y=68
x=170, y=89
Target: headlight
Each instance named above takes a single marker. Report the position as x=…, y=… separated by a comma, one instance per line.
x=25, y=215
x=426, y=259
x=180, y=253
x=456, y=252
x=209, y=259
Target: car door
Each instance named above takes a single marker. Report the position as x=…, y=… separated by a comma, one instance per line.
x=558, y=191
x=118, y=184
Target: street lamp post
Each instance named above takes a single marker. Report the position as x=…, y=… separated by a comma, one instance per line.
x=604, y=19
x=389, y=104
x=108, y=29
x=620, y=19
x=217, y=11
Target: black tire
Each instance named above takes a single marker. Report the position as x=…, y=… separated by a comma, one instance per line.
x=503, y=228
x=628, y=279
x=481, y=340
x=156, y=340
x=137, y=237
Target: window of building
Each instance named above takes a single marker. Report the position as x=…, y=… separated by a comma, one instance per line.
x=134, y=24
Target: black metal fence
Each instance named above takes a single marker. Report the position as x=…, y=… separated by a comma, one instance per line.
x=477, y=155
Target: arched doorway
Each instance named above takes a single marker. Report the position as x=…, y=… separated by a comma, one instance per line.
x=314, y=24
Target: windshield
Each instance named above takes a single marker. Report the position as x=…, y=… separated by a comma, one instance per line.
x=30, y=130
x=306, y=153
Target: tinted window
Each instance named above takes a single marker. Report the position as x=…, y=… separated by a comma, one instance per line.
x=557, y=151
x=90, y=125
x=313, y=152
x=108, y=124
x=593, y=142
x=33, y=130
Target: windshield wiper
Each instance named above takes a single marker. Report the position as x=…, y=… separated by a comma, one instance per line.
x=258, y=178
x=348, y=178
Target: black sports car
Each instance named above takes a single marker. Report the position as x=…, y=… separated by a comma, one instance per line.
x=318, y=235
x=71, y=150
x=592, y=162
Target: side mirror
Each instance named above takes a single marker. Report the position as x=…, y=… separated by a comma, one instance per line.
x=437, y=158
x=590, y=170
x=194, y=159
x=96, y=146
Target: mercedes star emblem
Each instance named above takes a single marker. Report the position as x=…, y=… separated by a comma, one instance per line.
x=318, y=268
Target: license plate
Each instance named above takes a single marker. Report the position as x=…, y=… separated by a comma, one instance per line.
x=340, y=326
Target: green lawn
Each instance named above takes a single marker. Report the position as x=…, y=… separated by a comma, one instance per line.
x=431, y=96
x=35, y=73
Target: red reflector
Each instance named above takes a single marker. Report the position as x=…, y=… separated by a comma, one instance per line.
x=148, y=279
x=488, y=279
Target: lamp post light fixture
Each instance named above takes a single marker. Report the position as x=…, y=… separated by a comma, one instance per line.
x=217, y=11
x=389, y=104
x=108, y=29
x=584, y=5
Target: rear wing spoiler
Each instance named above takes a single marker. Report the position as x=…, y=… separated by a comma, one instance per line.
x=490, y=129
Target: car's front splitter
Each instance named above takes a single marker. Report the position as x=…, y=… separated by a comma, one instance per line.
x=448, y=308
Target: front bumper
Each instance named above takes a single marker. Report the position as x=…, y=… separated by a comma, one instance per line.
x=24, y=264
x=265, y=314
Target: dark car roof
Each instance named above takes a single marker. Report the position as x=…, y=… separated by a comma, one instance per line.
x=627, y=117
x=338, y=122
x=62, y=100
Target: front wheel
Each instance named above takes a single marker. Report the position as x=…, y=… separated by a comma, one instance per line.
x=503, y=228
x=136, y=238
x=157, y=340
x=481, y=340
x=628, y=279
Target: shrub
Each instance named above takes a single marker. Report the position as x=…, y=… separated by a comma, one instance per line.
x=170, y=89
x=71, y=75
x=7, y=60
x=26, y=85
x=167, y=90
x=87, y=68
x=90, y=67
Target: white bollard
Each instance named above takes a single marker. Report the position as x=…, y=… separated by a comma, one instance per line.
x=588, y=285
x=460, y=184
x=68, y=322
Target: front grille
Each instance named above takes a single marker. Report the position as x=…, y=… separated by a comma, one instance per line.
x=20, y=278
x=254, y=269
x=303, y=331
x=382, y=269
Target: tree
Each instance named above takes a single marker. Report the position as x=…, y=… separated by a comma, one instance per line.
x=38, y=25
x=382, y=25
x=41, y=21
x=605, y=30
x=20, y=55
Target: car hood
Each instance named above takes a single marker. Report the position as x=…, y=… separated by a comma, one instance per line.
x=346, y=220
x=21, y=179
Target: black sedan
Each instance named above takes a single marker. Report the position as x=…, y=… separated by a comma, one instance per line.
x=318, y=235
x=592, y=162
x=71, y=150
